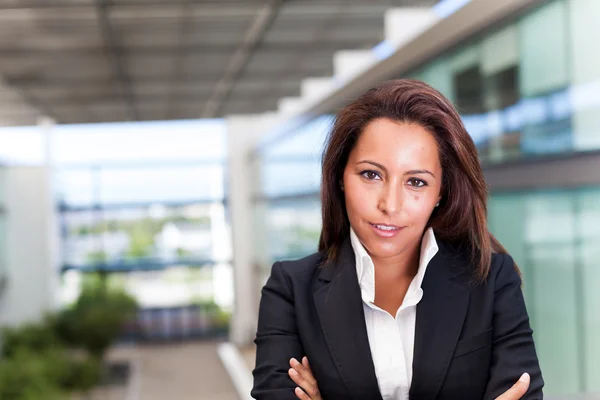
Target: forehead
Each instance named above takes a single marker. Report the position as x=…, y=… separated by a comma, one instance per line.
x=397, y=143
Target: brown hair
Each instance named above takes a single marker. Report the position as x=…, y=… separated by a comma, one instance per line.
x=460, y=218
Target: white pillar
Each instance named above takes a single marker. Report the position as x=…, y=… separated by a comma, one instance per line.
x=31, y=246
x=243, y=133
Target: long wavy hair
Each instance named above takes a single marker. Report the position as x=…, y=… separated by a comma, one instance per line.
x=461, y=218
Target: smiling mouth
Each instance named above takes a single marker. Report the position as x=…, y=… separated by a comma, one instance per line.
x=384, y=227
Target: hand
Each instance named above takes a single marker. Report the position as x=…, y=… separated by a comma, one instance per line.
x=518, y=390
x=302, y=376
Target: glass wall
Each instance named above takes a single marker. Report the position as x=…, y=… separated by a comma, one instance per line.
x=531, y=87
x=2, y=231
x=143, y=203
x=554, y=237
x=286, y=201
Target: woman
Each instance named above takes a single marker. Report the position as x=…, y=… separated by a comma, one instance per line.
x=409, y=295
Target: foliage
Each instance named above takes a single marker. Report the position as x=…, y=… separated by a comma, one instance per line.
x=218, y=317
x=97, y=257
x=96, y=318
x=41, y=361
x=141, y=242
x=35, y=337
x=32, y=375
x=36, y=365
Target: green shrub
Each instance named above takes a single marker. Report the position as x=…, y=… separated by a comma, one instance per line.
x=32, y=375
x=219, y=318
x=35, y=337
x=83, y=374
x=39, y=361
x=97, y=317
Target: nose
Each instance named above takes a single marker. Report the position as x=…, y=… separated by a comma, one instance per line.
x=390, y=200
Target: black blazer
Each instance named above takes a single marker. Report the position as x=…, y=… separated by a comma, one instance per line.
x=472, y=341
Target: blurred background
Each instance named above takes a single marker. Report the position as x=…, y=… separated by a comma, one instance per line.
x=157, y=156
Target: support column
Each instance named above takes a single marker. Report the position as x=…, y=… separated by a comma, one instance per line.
x=243, y=133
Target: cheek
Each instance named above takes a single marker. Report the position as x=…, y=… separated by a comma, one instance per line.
x=419, y=207
x=357, y=203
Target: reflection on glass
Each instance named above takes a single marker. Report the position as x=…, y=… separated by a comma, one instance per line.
x=294, y=228
x=2, y=230
x=554, y=237
x=530, y=88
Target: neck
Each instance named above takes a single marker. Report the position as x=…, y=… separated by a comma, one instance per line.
x=401, y=266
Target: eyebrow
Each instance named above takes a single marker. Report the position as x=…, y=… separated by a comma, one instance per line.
x=411, y=172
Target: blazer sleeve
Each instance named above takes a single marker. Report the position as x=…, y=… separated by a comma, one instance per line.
x=276, y=339
x=513, y=350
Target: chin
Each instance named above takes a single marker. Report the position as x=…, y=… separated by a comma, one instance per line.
x=385, y=250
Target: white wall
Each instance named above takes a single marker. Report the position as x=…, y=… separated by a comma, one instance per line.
x=31, y=245
x=243, y=133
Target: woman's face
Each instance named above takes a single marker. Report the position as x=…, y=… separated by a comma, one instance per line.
x=391, y=184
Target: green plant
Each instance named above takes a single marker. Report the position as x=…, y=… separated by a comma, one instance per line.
x=219, y=318
x=83, y=374
x=96, y=318
x=34, y=375
x=97, y=257
x=141, y=242
x=183, y=252
x=34, y=337
x=37, y=365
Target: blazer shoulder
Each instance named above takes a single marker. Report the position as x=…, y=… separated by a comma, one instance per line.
x=504, y=268
x=301, y=268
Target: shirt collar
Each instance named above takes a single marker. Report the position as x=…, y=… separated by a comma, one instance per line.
x=365, y=268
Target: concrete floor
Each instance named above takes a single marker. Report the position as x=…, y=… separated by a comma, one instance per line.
x=187, y=371
x=190, y=371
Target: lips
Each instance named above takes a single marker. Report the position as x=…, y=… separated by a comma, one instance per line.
x=386, y=227
x=385, y=230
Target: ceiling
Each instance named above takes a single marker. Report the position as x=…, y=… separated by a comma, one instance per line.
x=81, y=61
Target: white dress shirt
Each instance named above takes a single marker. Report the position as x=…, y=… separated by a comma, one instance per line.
x=392, y=338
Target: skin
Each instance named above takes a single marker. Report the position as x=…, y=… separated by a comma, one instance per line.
x=393, y=177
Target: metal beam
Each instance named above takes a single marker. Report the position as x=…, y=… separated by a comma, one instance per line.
x=239, y=60
x=45, y=5
x=33, y=82
x=297, y=57
x=199, y=49
x=176, y=76
x=116, y=57
x=82, y=101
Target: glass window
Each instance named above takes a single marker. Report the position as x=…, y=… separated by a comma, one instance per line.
x=585, y=69
x=553, y=236
x=2, y=229
x=543, y=50
x=439, y=75
x=588, y=251
x=286, y=208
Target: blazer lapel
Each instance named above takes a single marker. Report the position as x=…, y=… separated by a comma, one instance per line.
x=440, y=317
x=339, y=306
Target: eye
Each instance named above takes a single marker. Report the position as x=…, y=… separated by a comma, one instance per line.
x=370, y=175
x=416, y=182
